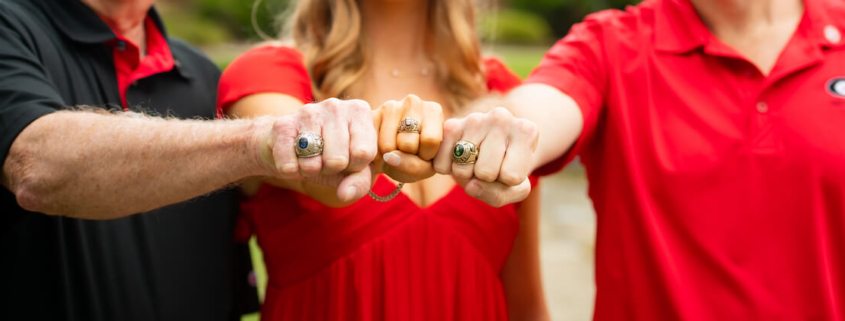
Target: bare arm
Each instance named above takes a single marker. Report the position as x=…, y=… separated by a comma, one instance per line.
x=555, y=113
x=521, y=275
x=96, y=165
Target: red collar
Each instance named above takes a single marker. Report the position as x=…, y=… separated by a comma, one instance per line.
x=129, y=65
x=679, y=29
x=158, y=57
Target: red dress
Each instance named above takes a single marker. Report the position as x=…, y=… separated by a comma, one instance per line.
x=371, y=260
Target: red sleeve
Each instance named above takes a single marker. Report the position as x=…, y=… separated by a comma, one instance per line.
x=499, y=77
x=275, y=69
x=575, y=65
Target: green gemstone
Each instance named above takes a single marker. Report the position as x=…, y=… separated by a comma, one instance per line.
x=459, y=150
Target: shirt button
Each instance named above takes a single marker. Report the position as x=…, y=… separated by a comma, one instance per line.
x=832, y=34
x=121, y=45
x=762, y=107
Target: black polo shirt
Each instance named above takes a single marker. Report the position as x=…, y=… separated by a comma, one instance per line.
x=175, y=263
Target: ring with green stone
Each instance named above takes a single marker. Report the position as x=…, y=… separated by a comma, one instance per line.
x=464, y=152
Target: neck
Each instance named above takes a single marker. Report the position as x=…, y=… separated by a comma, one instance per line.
x=125, y=17
x=395, y=32
x=739, y=16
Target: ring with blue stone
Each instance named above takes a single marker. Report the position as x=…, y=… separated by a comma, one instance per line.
x=465, y=152
x=308, y=145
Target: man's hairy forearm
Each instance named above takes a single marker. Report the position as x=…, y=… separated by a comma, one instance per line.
x=97, y=165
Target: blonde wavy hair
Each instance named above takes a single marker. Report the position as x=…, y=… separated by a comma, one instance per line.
x=329, y=35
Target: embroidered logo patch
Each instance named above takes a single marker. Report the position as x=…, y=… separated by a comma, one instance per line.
x=836, y=87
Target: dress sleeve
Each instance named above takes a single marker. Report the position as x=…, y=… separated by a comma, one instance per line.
x=576, y=66
x=26, y=93
x=499, y=77
x=265, y=69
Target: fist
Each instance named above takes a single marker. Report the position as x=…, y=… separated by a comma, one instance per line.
x=349, y=146
x=409, y=136
x=505, y=152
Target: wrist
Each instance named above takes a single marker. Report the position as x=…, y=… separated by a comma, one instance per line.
x=259, y=147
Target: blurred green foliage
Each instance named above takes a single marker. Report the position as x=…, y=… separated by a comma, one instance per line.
x=209, y=22
x=514, y=27
x=236, y=15
x=205, y=22
x=562, y=14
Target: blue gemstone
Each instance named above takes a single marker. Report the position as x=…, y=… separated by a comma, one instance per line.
x=303, y=142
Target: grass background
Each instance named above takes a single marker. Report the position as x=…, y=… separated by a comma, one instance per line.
x=521, y=59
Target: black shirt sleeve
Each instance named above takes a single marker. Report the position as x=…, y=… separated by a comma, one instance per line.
x=25, y=90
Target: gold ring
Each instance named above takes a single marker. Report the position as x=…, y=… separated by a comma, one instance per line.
x=465, y=152
x=409, y=125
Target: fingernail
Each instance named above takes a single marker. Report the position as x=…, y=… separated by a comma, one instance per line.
x=392, y=159
x=351, y=193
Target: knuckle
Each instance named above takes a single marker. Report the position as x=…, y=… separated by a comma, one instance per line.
x=360, y=105
x=463, y=174
x=511, y=178
x=500, y=112
x=335, y=163
x=474, y=120
x=364, y=153
x=413, y=168
x=527, y=127
x=485, y=173
x=310, y=168
x=430, y=141
x=411, y=100
x=450, y=127
x=407, y=146
x=442, y=167
x=384, y=149
x=289, y=170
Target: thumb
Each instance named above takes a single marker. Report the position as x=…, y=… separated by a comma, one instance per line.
x=406, y=167
x=497, y=194
x=355, y=185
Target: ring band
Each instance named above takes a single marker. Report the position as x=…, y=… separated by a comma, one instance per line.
x=409, y=125
x=465, y=152
x=308, y=145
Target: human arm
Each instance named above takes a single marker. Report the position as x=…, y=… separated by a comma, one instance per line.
x=96, y=165
x=521, y=275
x=557, y=116
x=564, y=99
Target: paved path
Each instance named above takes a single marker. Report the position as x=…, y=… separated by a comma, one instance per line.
x=567, y=243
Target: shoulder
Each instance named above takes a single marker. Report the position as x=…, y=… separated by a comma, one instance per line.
x=498, y=76
x=21, y=18
x=266, y=68
x=635, y=22
x=270, y=54
x=267, y=60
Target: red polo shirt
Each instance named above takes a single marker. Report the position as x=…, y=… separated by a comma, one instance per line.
x=719, y=192
x=128, y=62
